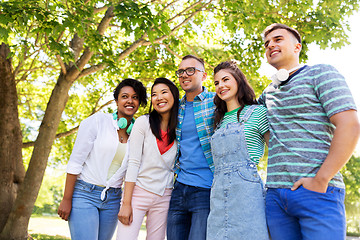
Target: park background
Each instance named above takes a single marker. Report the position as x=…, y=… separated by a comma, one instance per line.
x=212, y=33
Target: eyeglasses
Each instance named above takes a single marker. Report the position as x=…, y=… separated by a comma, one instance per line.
x=189, y=71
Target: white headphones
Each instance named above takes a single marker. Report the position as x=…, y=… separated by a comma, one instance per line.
x=282, y=75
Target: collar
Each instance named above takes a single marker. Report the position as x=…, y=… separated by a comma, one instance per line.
x=199, y=97
x=292, y=75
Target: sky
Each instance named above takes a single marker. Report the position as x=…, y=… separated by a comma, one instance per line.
x=346, y=60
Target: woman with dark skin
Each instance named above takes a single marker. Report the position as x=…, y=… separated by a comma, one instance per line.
x=149, y=177
x=91, y=197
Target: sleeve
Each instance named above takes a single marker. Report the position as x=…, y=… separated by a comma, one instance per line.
x=263, y=124
x=83, y=145
x=332, y=91
x=136, y=142
x=261, y=99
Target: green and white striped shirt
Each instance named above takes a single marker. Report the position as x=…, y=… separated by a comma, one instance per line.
x=299, y=119
x=255, y=127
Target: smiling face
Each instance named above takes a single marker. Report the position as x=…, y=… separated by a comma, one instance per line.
x=192, y=85
x=162, y=99
x=226, y=86
x=282, y=49
x=127, y=102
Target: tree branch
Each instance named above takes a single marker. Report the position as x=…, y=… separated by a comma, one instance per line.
x=76, y=44
x=71, y=131
x=171, y=51
x=62, y=64
x=92, y=69
x=97, y=10
x=131, y=48
x=147, y=43
x=185, y=10
x=86, y=56
x=167, y=6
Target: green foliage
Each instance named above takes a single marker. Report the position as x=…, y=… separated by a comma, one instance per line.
x=42, y=36
x=51, y=192
x=351, y=174
x=38, y=236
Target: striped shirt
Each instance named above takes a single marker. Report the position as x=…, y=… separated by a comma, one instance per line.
x=255, y=127
x=299, y=119
x=204, y=118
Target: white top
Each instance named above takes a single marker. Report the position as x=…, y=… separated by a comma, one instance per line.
x=94, y=150
x=147, y=167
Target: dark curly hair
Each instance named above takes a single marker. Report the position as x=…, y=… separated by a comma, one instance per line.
x=136, y=85
x=245, y=94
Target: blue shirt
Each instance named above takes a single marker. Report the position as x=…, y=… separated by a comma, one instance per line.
x=194, y=169
x=203, y=115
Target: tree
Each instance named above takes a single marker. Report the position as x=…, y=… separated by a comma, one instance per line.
x=351, y=173
x=61, y=59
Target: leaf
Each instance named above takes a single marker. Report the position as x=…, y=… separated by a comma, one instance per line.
x=4, y=34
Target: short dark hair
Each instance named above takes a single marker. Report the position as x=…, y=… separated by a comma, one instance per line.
x=200, y=60
x=154, y=116
x=275, y=26
x=136, y=85
x=245, y=93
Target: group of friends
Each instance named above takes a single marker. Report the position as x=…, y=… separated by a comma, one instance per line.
x=190, y=165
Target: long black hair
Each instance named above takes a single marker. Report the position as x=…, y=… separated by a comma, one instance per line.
x=155, y=117
x=245, y=94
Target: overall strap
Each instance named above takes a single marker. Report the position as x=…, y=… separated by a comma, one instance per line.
x=248, y=113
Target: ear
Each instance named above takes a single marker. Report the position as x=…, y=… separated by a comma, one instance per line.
x=298, y=47
x=204, y=76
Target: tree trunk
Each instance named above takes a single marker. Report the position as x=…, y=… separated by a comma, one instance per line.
x=17, y=223
x=11, y=166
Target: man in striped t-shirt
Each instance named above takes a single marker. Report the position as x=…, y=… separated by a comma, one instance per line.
x=313, y=132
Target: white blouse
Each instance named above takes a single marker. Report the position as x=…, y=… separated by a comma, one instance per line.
x=146, y=166
x=94, y=150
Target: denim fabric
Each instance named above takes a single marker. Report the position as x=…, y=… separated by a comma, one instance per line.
x=188, y=213
x=91, y=218
x=306, y=215
x=237, y=204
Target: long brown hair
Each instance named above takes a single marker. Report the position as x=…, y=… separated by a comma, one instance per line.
x=245, y=94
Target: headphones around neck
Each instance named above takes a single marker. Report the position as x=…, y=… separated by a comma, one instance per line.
x=122, y=122
x=282, y=75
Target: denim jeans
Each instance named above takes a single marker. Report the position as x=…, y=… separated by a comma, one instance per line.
x=188, y=212
x=90, y=218
x=306, y=215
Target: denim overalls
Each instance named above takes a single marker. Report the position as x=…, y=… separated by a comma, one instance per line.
x=237, y=206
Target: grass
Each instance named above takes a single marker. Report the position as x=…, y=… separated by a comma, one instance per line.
x=54, y=228
x=39, y=236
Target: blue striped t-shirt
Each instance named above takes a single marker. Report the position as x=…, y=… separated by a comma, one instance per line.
x=299, y=120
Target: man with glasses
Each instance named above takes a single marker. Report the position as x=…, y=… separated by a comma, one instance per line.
x=190, y=199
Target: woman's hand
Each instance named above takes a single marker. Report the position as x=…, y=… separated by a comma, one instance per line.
x=125, y=215
x=65, y=209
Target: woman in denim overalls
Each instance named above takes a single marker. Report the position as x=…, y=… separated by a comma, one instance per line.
x=237, y=206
